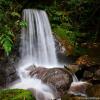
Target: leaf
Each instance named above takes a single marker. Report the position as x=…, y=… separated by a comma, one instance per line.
x=59, y=13
x=23, y=24
x=15, y=14
x=10, y=33
x=7, y=46
x=6, y=39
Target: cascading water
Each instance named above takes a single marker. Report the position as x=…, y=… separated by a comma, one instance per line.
x=37, y=47
x=37, y=43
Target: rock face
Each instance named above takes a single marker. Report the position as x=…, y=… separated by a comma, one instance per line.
x=88, y=69
x=57, y=78
x=60, y=49
x=2, y=77
x=11, y=74
x=7, y=73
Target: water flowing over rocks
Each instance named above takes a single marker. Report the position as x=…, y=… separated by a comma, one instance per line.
x=38, y=47
x=87, y=71
x=57, y=78
x=79, y=88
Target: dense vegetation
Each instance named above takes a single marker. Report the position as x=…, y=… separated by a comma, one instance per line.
x=76, y=21
x=16, y=94
x=10, y=23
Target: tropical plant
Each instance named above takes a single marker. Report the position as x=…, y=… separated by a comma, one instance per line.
x=6, y=36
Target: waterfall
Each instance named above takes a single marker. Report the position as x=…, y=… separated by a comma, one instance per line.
x=37, y=43
x=38, y=48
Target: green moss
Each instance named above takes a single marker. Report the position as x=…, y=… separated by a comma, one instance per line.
x=61, y=32
x=66, y=34
x=16, y=94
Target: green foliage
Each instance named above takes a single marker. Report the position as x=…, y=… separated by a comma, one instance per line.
x=6, y=39
x=5, y=2
x=69, y=18
x=9, y=24
x=15, y=14
x=76, y=21
x=23, y=23
x=78, y=50
x=60, y=32
x=71, y=37
x=16, y=94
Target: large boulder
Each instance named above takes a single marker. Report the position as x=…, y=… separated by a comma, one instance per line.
x=57, y=78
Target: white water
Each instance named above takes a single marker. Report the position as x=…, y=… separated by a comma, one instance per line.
x=37, y=43
x=37, y=47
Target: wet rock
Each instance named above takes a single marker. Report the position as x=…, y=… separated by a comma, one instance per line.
x=79, y=88
x=60, y=49
x=11, y=74
x=32, y=67
x=57, y=78
x=38, y=72
x=94, y=91
x=73, y=67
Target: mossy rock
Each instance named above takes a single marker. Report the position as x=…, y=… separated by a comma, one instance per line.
x=16, y=94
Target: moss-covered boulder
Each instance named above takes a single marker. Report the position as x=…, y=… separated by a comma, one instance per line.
x=16, y=94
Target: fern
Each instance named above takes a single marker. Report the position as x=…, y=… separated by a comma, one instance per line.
x=15, y=14
x=23, y=23
x=6, y=39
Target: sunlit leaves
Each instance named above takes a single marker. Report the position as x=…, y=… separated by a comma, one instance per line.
x=6, y=39
x=23, y=23
x=15, y=14
x=7, y=46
